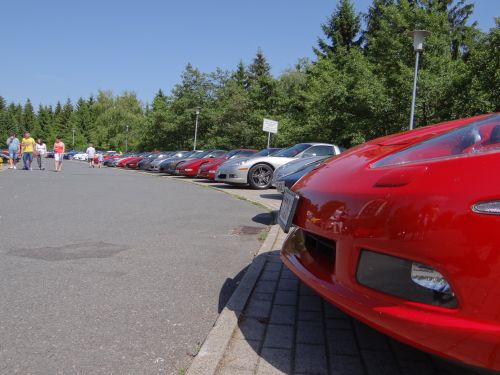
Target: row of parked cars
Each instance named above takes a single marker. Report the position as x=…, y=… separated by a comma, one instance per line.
x=256, y=169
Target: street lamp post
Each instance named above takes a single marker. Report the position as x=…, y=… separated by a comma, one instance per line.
x=73, y=137
x=126, y=140
x=418, y=45
x=196, y=127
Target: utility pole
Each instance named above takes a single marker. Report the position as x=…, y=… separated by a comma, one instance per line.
x=126, y=140
x=73, y=138
x=196, y=127
x=418, y=46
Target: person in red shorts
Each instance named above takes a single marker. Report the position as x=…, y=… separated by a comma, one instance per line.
x=58, y=153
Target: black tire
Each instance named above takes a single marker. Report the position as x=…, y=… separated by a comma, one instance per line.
x=260, y=176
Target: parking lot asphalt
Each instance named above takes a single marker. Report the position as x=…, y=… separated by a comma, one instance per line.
x=103, y=271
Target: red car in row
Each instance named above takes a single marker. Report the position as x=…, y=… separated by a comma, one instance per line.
x=400, y=232
x=208, y=170
x=131, y=161
x=190, y=167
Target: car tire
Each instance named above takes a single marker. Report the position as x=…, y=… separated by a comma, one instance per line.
x=260, y=176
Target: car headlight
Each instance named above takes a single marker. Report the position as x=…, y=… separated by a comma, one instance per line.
x=405, y=279
x=479, y=136
x=429, y=278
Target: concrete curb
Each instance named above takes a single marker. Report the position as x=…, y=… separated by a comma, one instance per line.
x=214, y=347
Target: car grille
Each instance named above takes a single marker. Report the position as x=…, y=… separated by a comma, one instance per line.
x=323, y=251
x=222, y=175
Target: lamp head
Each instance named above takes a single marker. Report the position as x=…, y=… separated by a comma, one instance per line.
x=418, y=38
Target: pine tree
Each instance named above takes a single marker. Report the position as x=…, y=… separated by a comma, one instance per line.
x=259, y=68
x=4, y=123
x=44, y=119
x=240, y=76
x=28, y=118
x=342, y=30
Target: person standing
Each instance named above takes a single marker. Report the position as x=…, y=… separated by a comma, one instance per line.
x=27, y=149
x=41, y=151
x=13, y=145
x=90, y=155
x=100, y=158
x=58, y=153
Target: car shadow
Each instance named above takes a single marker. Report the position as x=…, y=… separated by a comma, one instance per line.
x=293, y=330
x=266, y=218
x=228, y=289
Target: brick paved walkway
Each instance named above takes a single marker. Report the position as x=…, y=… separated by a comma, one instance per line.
x=288, y=329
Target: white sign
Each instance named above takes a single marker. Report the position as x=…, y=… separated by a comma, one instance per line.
x=270, y=126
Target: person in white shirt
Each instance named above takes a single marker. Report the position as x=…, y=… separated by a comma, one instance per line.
x=90, y=155
x=41, y=152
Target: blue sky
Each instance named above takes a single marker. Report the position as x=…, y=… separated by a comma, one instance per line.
x=55, y=49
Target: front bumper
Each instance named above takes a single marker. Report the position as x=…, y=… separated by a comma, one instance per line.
x=207, y=174
x=232, y=175
x=447, y=332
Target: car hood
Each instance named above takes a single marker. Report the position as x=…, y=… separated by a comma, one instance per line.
x=214, y=163
x=275, y=161
x=159, y=161
x=347, y=186
x=195, y=162
x=296, y=165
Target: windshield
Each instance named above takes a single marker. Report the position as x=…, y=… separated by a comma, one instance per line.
x=292, y=151
x=321, y=150
x=162, y=156
x=232, y=153
x=243, y=154
x=215, y=154
x=199, y=154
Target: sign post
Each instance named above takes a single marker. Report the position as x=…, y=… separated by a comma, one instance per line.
x=270, y=126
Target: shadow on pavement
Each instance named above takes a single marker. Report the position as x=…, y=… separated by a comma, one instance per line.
x=286, y=327
x=266, y=218
x=228, y=289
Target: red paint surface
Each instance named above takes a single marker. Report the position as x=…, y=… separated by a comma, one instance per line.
x=421, y=212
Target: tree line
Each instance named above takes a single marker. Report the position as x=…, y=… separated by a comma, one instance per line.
x=357, y=87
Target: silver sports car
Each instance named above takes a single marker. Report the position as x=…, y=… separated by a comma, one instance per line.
x=257, y=172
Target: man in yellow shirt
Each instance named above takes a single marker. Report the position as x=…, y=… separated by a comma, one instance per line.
x=27, y=148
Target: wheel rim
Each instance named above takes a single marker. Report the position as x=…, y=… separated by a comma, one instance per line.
x=261, y=176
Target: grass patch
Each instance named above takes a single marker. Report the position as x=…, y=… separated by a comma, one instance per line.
x=263, y=234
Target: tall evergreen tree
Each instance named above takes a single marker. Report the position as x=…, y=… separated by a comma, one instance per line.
x=342, y=30
x=259, y=67
x=28, y=118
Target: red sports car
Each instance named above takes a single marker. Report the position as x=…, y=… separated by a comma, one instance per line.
x=208, y=170
x=124, y=161
x=190, y=167
x=400, y=232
